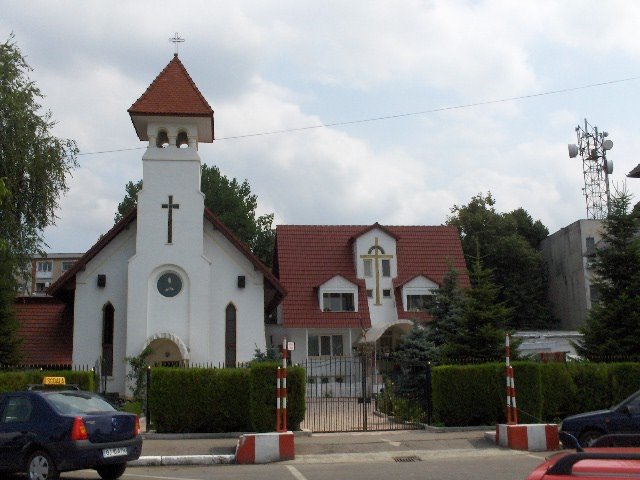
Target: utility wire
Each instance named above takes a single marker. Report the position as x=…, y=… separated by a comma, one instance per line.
x=401, y=115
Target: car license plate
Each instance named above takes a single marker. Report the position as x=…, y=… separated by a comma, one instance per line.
x=114, y=452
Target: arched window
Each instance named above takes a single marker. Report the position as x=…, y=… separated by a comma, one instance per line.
x=162, y=140
x=108, y=317
x=230, y=336
x=182, y=141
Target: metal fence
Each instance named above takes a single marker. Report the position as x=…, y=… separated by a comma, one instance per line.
x=366, y=394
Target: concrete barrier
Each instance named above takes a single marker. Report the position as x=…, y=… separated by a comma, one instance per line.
x=530, y=437
x=265, y=447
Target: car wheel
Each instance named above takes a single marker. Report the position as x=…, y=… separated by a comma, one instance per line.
x=41, y=467
x=111, y=472
x=588, y=437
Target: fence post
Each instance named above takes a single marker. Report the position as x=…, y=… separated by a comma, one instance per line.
x=146, y=400
x=429, y=394
x=364, y=391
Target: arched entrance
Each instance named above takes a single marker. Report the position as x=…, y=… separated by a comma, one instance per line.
x=390, y=339
x=167, y=350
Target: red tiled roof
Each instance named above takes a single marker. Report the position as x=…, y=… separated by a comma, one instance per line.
x=173, y=92
x=46, y=329
x=306, y=255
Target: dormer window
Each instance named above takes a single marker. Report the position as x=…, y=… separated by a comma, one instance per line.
x=338, y=295
x=419, y=294
x=338, y=302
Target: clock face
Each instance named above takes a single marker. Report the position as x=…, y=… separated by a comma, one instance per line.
x=169, y=284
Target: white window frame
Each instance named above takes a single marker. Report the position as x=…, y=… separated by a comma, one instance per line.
x=327, y=340
x=353, y=300
x=415, y=290
x=338, y=285
x=41, y=264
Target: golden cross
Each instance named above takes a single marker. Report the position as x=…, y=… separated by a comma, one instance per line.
x=378, y=255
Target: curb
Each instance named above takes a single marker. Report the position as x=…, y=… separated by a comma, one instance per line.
x=152, y=435
x=165, y=460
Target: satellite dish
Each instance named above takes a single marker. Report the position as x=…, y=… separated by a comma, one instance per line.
x=573, y=150
x=607, y=144
x=608, y=166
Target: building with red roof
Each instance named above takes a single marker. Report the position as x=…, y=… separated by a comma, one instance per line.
x=349, y=284
x=169, y=276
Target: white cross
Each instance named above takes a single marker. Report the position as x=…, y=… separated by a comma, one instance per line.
x=176, y=40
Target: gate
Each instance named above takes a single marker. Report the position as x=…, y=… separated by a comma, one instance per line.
x=366, y=394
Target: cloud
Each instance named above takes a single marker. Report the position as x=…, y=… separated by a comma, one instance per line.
x=285, y=65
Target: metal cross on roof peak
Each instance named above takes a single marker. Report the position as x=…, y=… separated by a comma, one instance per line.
x=176, y=40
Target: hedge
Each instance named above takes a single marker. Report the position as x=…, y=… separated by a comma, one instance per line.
x=208, y=400
x=20, y=380
x=476, y=394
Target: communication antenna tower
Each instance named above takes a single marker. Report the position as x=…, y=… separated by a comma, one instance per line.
x=592, y=147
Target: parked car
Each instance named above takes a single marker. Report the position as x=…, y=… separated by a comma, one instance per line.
x=45, y=432
x=621, y=418
x=615, y=457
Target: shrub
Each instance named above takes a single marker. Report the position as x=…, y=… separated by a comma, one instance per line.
x=222, y=400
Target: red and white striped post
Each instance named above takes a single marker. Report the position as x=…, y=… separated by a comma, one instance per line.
x=512, y=411
x=278, y=400
x=281, y=392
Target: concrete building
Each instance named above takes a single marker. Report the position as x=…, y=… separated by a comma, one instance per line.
x=45, y=270
x=569, y=254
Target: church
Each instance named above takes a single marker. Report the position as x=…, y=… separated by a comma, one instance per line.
x=171, y=277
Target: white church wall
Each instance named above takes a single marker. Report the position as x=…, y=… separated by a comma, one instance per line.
x=227, y=263
x=166, y=314
x=171, y=171
x=176, y=172
x=111, y=261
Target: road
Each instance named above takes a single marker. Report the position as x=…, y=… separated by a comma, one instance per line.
x=496, y=464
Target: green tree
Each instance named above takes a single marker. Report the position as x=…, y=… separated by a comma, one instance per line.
x=9, y=343
x=130, y=199
x=447, y=310
x=235, y=206
x=233, y=203
x=509, y=242
x=613, y=323
x=481, y=330
x=34, y=165
x=416, y=346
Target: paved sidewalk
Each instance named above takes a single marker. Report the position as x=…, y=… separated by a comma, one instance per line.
x=205, y=449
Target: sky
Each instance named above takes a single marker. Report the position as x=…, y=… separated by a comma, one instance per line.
x=457, y=97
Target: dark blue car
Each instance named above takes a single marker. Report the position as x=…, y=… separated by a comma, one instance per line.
x=43, y=433
x=623, y=418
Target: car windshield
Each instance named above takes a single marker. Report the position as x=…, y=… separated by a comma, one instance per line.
x=78, y=403
x=627, y=400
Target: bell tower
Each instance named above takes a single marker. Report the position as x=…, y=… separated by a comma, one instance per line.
x=169, y=271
